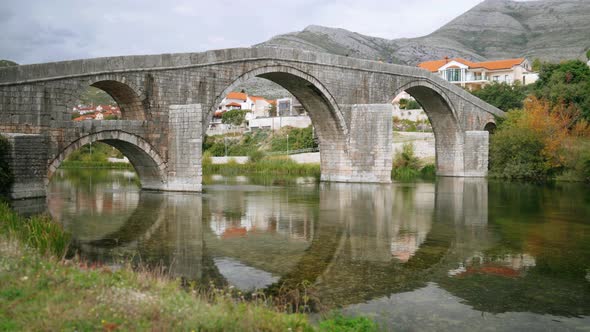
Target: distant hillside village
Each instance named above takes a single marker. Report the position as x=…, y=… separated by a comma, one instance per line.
x=265, y=114
x=98, y=112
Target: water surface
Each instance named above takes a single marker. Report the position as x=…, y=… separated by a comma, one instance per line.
x=455, y=254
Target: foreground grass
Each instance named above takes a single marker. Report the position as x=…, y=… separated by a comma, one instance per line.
x=41, y=291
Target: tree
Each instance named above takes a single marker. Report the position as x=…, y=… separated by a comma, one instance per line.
x=272, y=111
x=502, y=95
x=588, y=55
x=234, y=117
x=537, y=64
x=566, y=83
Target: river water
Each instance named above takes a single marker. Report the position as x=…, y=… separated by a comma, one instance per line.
x=455, y=254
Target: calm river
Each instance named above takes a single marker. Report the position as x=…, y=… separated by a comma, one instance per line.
x=458, y=254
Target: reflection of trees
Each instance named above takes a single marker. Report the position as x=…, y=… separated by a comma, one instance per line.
x=531, y=221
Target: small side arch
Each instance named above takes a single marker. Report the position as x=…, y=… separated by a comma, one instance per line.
x=490, y=127
x=128, y=96
x=448, y=134
x=147, y=162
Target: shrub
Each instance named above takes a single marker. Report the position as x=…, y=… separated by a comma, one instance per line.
x=234, y=117
x=515, y=153
x=406, y=165
x=428, y=171
x=502, y=95
x=256, y=156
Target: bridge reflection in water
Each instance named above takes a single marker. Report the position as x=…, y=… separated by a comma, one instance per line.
x=357, y=244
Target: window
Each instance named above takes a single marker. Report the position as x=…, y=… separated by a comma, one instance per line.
x=496, y=78
x=506, y=78
x=453, y=75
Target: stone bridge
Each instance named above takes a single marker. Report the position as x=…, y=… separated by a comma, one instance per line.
x=168, y=100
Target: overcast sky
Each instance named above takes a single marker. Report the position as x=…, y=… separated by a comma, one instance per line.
x=52, y=30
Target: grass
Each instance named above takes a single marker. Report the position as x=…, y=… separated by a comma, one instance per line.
x=95, y=164
x=266, y=165
x=39, y=290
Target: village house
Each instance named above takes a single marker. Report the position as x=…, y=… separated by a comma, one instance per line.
x=99, y=112
x=475, y=75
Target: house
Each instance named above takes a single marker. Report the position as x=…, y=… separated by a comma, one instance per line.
x=99, y=112
x=475, y=75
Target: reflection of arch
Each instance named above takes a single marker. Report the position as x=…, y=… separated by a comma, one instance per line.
x=313, y=95
x=490, y=127
x=144, y=158
x=144, y=221
x=125, y=94
x=443, y=117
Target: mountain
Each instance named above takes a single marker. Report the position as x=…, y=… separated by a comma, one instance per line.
x=547, y=29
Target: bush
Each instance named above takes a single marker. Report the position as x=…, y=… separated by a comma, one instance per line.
x=256, y=156
x=406, y=165
x=6, y=177
x=234, y=117
x=502, y=95
x=538, y=142
x=515, y=153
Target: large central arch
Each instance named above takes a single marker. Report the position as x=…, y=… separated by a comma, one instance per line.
x=147, y=162
x=326, y=116
x=448, y=134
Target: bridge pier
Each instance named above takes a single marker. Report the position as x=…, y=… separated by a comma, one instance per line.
x=185, y=145
x=28, y=163
x=366, y=156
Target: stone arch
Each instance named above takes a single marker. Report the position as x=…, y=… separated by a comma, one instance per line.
x=490, y=127
x=448, y=134
x=313, y=95
x=126, y=94
x=147, y=162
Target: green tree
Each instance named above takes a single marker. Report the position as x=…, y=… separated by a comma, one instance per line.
x=537, y=64
x=588, y=55
x=234, y=117
x=567, y=82
x=272, y=111
x=502, y=95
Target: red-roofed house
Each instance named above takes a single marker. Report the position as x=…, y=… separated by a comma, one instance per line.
x=474, y=75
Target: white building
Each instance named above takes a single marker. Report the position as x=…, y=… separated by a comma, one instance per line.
x=475, y=75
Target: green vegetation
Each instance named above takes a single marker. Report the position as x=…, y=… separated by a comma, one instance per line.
x=411, y=126
x=541, y=142
x=39, y=290
x=94, y=155
x=287, y=138
x=345, y=324
x=567, y=83
x=279, y=165
x=588, y=55
x=502, y=95
x=234, y=117
x=409, y=104
x=5, y=172
x=7, y=63
x=96, y=96
x=407, y=167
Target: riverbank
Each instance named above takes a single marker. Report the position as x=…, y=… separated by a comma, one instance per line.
x=39, y=290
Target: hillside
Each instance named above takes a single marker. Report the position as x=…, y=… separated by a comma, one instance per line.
x=548, y=29
x=7, y=63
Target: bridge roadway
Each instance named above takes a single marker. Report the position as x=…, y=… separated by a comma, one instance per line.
x=168, y=100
